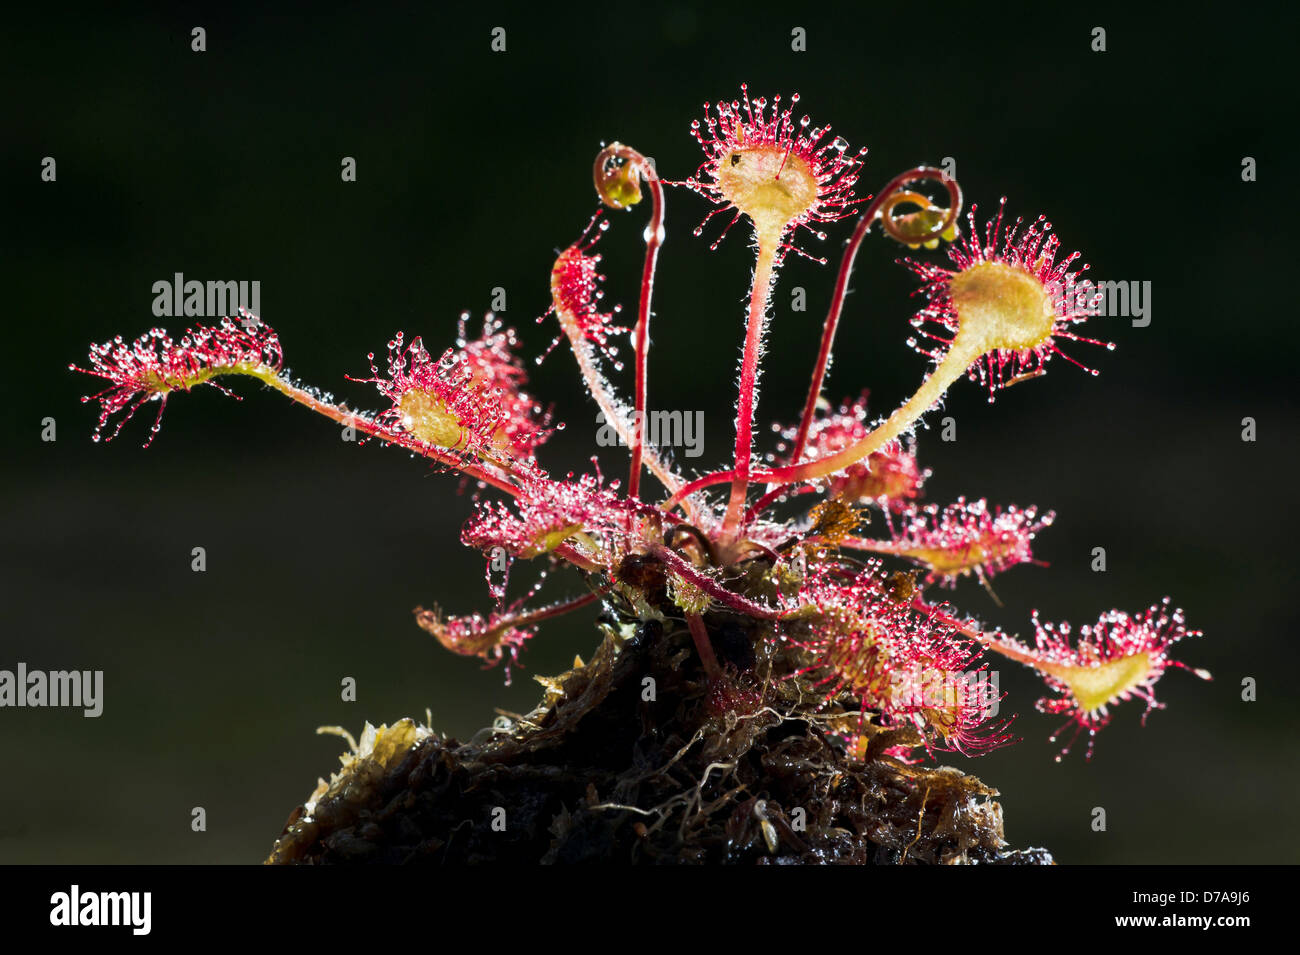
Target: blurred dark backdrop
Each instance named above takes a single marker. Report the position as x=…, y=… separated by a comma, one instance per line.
x=473, y=170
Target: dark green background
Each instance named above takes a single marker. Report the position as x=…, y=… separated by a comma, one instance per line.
x=473, y=171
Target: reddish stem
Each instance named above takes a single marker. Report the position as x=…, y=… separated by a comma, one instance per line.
x=733, y=523
x=704, y=646
x=553, y=610
x=690, y=487
x=950, y=368
x=990, y=641
x=364, y=425
x=764, y=502
x=795, y=472
x=842, y=284
x=894, y=548
x=684, y=569
x=654, y=238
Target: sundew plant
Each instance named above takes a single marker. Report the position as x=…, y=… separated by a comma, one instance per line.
x=839, y=625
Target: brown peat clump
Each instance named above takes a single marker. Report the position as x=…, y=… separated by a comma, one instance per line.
x=633, y=758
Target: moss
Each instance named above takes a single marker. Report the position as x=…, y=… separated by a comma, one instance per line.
x=634, y=758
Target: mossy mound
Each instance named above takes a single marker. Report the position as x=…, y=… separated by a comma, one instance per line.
x=635, y=758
